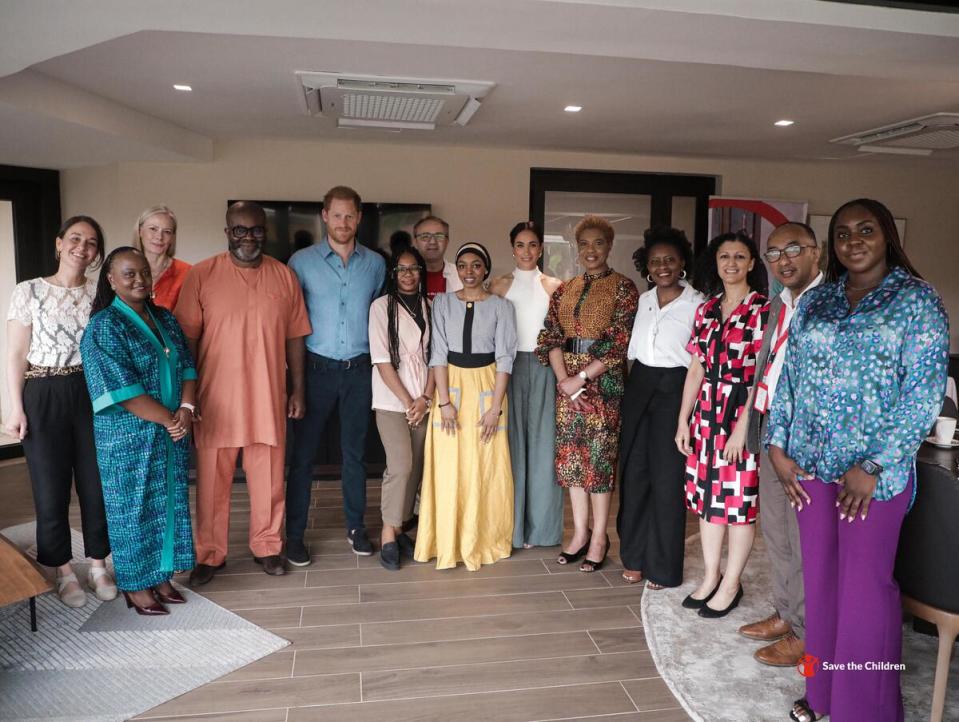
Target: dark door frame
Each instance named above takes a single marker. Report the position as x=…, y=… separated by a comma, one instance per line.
x=661, y=187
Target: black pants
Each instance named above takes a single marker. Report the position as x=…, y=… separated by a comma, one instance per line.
x=60, y=450
x=652, y=512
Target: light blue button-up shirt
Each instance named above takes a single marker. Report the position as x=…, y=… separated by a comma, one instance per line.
x=338, y=297
x=865, y=384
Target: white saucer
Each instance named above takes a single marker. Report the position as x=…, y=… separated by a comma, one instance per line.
x=947, y=445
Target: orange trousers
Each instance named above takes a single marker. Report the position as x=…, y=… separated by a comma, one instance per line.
x=264, y=482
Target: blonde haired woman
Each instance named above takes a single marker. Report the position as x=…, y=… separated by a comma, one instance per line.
x=155, y=235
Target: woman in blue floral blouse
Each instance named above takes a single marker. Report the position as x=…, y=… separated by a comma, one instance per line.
x=863, y=381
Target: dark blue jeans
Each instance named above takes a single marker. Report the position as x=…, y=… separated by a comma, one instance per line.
x=346, y=386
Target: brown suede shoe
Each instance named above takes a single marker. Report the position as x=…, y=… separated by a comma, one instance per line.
x=272, y=565
x=784, y=653
x=771, y=628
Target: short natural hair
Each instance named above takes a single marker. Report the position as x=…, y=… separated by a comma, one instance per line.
x=342, y=193
x=595, y=223
x=240, y=207
x=434, y=219
x=153, y=211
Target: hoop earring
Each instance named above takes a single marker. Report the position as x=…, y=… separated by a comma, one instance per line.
x=649, y=278
x=682, y=274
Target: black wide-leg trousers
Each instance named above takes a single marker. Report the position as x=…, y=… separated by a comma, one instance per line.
x=60, y=450
x=652, y=511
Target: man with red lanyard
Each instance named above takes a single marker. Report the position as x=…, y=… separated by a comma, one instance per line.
x=431, y=235
x=792, y=255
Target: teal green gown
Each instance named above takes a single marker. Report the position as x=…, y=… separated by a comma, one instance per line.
x=143, y=471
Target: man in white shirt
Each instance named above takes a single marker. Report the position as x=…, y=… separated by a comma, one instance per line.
x=792, y=254
x=431, y=235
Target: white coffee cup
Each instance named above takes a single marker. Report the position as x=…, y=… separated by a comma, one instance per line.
x=945, y=429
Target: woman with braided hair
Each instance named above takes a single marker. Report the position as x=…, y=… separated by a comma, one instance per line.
x=402, y=392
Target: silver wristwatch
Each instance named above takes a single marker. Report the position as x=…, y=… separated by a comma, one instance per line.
x=870, y=467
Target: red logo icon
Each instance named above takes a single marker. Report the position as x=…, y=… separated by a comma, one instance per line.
x=807, y=665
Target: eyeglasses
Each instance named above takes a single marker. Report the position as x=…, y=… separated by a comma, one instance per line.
x=258, y=233
x=790, y=251
x=407, y=269
x=424, y=237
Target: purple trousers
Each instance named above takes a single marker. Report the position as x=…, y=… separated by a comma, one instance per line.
x=853, y=611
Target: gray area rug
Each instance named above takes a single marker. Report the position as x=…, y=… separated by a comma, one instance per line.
x=104, y=662
x=710, y=668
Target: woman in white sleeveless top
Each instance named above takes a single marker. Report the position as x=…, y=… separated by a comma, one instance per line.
x=538, y=509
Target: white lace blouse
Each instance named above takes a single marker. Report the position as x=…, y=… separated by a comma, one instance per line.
x=56, y=317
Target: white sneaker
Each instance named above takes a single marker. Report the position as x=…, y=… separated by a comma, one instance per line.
x=74, y=597
x=102, y=584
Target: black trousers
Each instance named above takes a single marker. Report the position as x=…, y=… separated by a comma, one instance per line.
x=60, y=450
x=652, y=512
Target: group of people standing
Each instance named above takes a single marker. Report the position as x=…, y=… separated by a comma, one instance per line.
x=491, y=395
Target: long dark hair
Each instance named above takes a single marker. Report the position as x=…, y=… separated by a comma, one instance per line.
x=664, y=236
x=73, y=220
x=105, y=294
x=707, y=274
x=393, y=299
x=895, y=255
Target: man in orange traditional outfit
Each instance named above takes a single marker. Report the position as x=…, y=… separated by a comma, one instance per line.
x=244, y=317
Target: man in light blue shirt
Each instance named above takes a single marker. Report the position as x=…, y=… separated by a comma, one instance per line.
x=340, y=279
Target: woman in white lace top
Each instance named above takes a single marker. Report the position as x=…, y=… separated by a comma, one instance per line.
x=50, y=409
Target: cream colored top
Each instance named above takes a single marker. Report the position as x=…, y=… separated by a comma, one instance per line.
x=531, y=302
x=56, y=317
x=413, y=370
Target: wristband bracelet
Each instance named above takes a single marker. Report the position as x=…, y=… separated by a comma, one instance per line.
x=442, y=405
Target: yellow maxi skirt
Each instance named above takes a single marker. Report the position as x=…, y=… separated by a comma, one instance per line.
x=466, y=498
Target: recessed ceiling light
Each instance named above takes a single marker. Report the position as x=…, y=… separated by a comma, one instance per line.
x=573, y=108
x=784, y=123
x=184, y=88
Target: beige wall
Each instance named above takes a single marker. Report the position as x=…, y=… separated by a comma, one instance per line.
x=483, y=192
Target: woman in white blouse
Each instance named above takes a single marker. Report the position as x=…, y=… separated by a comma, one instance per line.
x=538, y=499
x=652, y=512
x=402, y=393
x=50, y=411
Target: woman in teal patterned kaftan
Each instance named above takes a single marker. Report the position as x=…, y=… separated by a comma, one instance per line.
x=139, y=371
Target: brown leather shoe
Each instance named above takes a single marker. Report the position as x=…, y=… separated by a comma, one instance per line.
x=769, y=629
x=272, y=565
x=203, y=573
x=784, y=653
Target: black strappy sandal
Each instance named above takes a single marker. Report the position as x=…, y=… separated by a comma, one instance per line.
x=589, y=565
x=567, y=558
x=806, y=713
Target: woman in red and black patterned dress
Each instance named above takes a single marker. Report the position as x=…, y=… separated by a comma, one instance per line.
x=722, y=477
x=584, y=340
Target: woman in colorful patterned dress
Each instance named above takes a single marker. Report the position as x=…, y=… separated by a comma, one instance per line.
x=50, y=409
x=155, y=235
x=584, y=340
x=141, y=381
x=722, y=477
x=868, y=359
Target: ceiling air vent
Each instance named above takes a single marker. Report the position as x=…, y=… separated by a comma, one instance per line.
x=918, y=136
x=376, y=101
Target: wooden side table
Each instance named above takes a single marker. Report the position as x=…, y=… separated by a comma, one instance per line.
x=20, y=579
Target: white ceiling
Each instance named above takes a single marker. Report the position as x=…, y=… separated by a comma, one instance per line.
x=90, y=81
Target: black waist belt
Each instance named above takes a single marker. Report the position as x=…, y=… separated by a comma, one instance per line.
x=345, y=364
x=578, y=345
x=470, y=360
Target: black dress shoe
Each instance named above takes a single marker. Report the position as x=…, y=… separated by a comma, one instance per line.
x=390, y=556
x=272, y=565
x=406, y=545
x=203, y=573
x=692, y=603
x=709, y=613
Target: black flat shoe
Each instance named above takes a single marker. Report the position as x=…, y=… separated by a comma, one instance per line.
x=390, y=556
x=406, y=545
x=691, y=602
x=567, y=558
x=589, y=566
x=707, y=612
